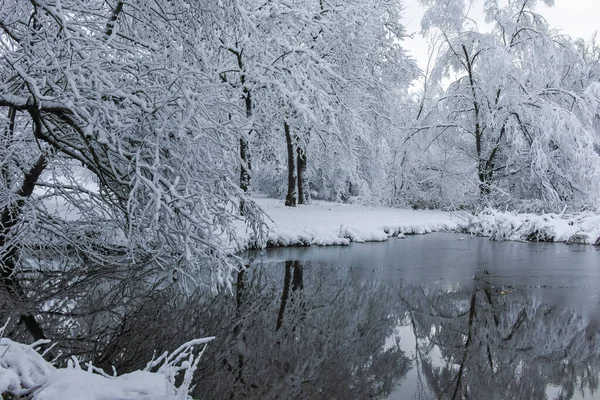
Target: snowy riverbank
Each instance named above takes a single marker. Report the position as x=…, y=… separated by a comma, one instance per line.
x=325, y=223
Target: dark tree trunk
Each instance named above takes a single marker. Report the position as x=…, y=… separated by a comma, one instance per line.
x=297, y=278
x=237, y=330
x=485, y=177
x=10, y=133
x=297, y=286
x=291, y=200
x=245, y=166
x=110, y=25
x=461, y=369
x=9, y=218
x=486, y=170
x=303, y=185
x=240, y=288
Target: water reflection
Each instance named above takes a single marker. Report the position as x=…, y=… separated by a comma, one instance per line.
x=318, y=330
x=485, y=343
x=301, y=330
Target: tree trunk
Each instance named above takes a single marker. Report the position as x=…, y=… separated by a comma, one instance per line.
x=297, y=286
x=9, y=218
x=110, y=25
x=237, y=330
x=485, y=178
x=468, y=343
x=297, y=279
x=245, y=165
x=9, y=134
x=291, y=200
x=303, y=185
x=245, y=168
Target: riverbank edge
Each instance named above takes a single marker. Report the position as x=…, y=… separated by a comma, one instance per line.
x=330, y=224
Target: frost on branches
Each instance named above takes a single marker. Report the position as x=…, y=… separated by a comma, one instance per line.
x=108, y=112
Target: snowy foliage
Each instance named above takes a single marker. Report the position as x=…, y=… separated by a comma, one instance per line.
x=334, y=75
x=446, y=14
x=581, y=228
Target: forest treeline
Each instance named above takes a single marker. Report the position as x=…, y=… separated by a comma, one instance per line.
x=133, y=134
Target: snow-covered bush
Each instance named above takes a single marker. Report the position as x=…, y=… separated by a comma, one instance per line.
x=24, y=372
x=583, y=228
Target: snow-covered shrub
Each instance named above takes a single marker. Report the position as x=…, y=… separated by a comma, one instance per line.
x=24, y=372
x=582, y=228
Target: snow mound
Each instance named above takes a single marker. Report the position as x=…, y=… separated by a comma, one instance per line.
x=76, y=383
x=22, y=368
x=24, y=372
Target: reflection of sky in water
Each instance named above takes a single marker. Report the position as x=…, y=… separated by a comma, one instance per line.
x=413, y=384
x=565, y=274
x=521, y=318
x=553, y=392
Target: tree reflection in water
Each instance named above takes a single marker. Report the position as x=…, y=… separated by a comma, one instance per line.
x=312, y=331
x=500, y=345
x=303, y=331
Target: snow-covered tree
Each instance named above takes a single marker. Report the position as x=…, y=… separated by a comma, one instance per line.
x=110, y=112
x=340, y=79
x=511, y=107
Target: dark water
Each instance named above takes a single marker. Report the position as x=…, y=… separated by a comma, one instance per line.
x=439, y=316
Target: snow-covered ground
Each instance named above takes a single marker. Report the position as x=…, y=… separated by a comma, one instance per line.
x=325, y=223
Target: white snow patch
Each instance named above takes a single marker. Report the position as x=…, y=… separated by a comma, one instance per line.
x=73, y=383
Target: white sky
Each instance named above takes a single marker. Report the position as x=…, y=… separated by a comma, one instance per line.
x=577, y=18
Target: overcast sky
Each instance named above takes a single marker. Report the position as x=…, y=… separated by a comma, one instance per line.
x=577, y=18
